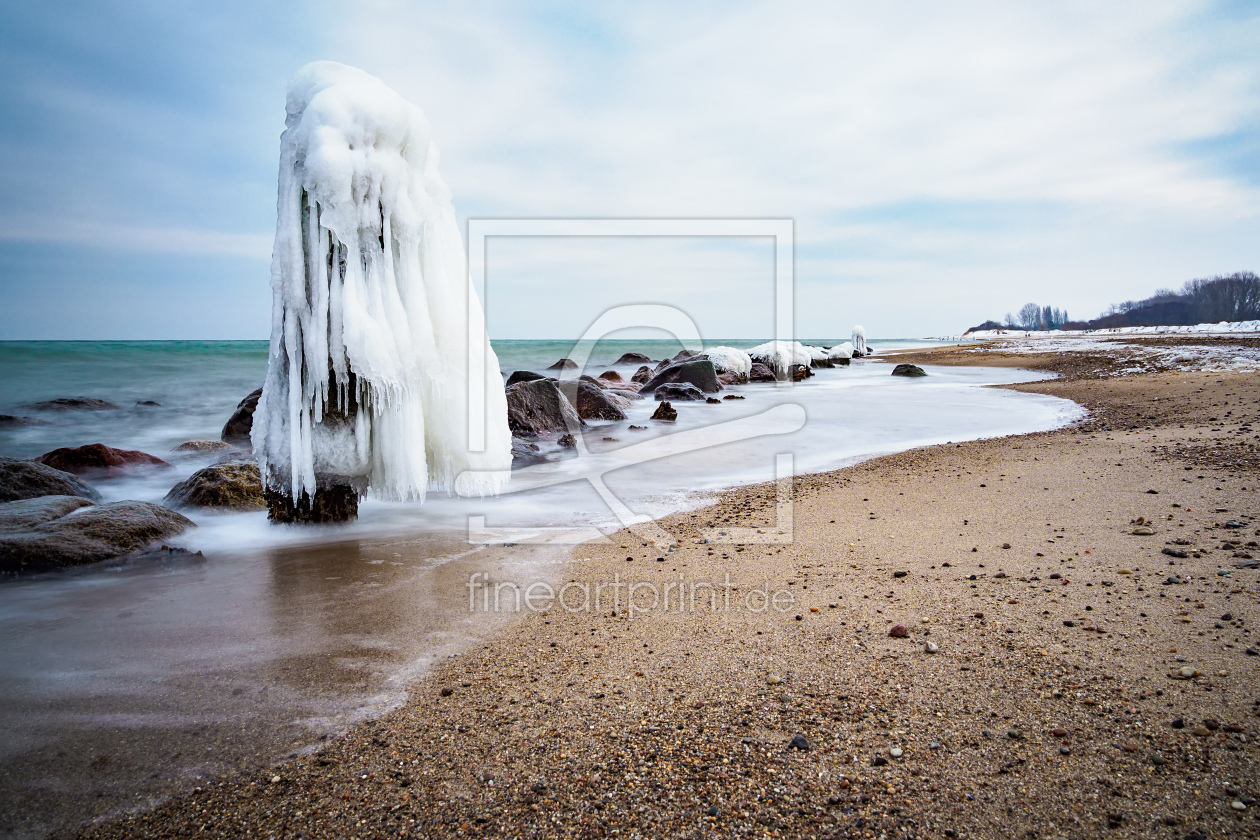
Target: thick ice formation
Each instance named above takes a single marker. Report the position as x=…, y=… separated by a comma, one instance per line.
x=841, y=351
x=859, y=341
x=375, y=325
x=729, y=360
x=816, y=354
x=781, y=355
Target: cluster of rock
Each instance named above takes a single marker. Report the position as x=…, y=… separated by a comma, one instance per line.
x=51, y=518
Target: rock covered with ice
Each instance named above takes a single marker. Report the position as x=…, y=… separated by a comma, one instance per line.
x=841, y=351
x=376, y=330
x=781, y=355
x=728, y=360
x=859, y=341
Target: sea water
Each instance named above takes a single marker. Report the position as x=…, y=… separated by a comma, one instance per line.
x=153, y=674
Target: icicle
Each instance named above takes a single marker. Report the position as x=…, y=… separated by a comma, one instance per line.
x=368, y=377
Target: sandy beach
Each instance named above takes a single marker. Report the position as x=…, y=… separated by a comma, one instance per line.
x=1086, y=595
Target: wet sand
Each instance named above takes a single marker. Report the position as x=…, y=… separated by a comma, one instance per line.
x=127, y=685
x=1055, y=704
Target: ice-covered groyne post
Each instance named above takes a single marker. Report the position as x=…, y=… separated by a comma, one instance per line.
x=375, y=325
x=859, y=341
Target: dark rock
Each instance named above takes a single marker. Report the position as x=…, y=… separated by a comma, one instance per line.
x=522, y=376
x=148, y=404
x=798, y=742
x=611, y=376
x=30, y=480
x=899, y=631
x=821, y=363
x=840, y=362
x=697, y=372
x=204, y=446
x=760, y=373
x=683, y=391
x=10, y=421
x=1174, y=552
x=665, y=411
x=563, y=364
x=732, y=397
x=234, y=485
x=538, y=407
x=633, y=359
x=908, y=370
x=241, y=423
x=74, y=404
x=56, y=531
x=525, y=453
x=799, y=373
x=567, y=441
x=591, y=401
x=642, y=375
x=713, y=400
x=730, y=378
x=334, y=502
x=99, y=459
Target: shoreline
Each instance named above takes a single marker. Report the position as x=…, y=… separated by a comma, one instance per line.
x=680, y=722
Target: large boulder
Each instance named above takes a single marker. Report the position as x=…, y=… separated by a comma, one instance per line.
x=56, y=531
x=30, y=480
x=760, y=373
x=611, y=376
x=539, y=408
x=99, y=459
x=642, y=375
x=522, y=376
x=698, y=372
x=563, y=364
x=233, y=485
x=74, y=404
x=633, y=359
x=679, y=392
x=241, y=423
x=591, y=401
x=908, y=370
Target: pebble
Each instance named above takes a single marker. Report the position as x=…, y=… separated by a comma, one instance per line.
x=1253, y=652
x=1179, y=723
x=773, y=680
x=900, y=573
x=275, y=780
x=1065, y=751
x=447, y=692
x=896, y=752
x=898, y=631
x=1187, y=672
x=1158, y=760
x=1238, y=805
x=798, y=742
x=930, y=647
x=878, y=761
x=1059, y=733
x=1201, y=731
x=1015, y=734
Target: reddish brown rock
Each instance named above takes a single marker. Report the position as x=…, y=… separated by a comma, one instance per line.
x=99, y=459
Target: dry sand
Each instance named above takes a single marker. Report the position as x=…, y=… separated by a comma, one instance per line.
x=1047, y=711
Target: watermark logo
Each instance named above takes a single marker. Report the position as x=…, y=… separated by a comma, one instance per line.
x=783, y=418
x=625, y=598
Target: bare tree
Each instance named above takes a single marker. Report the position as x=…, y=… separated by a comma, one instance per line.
x=1029, y=316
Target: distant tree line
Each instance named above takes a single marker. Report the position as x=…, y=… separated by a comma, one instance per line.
x=1204, y=300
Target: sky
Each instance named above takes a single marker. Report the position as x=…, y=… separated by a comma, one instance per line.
x=941, y=163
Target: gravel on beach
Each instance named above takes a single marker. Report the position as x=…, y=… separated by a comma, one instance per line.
x=1060, y=674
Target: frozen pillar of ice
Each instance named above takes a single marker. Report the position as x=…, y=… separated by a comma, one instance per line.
x=375, y=325
x=859, y=341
